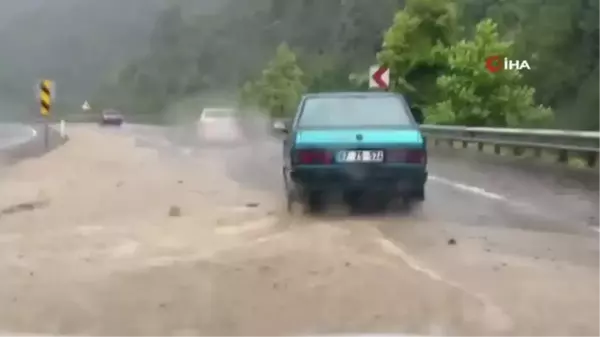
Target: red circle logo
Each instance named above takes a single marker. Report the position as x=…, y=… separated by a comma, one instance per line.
x=494, y=63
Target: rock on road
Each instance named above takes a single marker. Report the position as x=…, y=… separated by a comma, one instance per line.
x=134, y=231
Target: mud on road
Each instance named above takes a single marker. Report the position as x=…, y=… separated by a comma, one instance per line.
x=106, y=237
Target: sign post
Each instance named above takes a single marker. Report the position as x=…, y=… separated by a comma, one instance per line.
x=379, y=77
x=46, y=95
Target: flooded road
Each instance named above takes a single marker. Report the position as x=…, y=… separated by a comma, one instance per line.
x=145, y=231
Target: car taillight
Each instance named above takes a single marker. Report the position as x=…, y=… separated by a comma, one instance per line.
x=313, y=157
x=416, y=157
x=410, y=156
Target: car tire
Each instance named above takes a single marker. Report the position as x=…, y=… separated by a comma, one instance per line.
x=289, y=195
x=289, y=199
x=352, y=200
x=295, y=203
x=314, y=202
x=419, y=194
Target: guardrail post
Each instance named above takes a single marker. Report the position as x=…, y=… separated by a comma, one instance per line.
x=497, y=149
x=62, y=129
x=465, y=144
x=563, y=156
x=480, y=146
x=517, y=151
x=592, y=159
x=46, y=135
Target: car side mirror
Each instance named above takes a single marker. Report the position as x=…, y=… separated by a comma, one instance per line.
x=280, y=126
x=418, y=115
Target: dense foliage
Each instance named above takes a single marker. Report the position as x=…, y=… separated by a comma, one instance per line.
x=435, y=49
x=280, y=86
x=468, y=94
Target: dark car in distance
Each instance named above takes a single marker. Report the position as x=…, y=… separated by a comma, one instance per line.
x=111, y=117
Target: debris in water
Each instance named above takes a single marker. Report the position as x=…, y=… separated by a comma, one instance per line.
x=24, y=207
x=451, y=242
x=174, y=211
x=252, y=204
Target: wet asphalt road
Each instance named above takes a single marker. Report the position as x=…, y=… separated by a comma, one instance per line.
x=499, y=205
x=465, y=187
x=472, y=189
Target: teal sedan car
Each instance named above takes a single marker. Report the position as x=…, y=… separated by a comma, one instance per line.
x=354, y=143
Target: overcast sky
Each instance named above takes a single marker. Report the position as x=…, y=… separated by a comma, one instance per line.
x=10, y=8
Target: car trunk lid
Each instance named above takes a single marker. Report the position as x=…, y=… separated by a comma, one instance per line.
x=358, y=138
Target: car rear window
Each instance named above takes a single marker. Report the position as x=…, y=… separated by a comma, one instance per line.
x=111, y=113
x=354, y=111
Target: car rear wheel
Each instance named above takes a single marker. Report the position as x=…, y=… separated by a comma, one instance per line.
x=419, y=194
x=300, y=205
x=290, y=196
x=352, y=199
x=314, y=202
x=413, y=199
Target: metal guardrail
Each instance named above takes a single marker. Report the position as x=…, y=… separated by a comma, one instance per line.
x=34, y=146
x=566, y=144
x=14, y=134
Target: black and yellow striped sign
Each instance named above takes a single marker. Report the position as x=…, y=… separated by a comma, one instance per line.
x=45, y=97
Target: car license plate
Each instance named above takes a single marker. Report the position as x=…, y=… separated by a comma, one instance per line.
x=360, y=156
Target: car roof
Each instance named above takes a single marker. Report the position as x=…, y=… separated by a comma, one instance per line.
x=354, y=94
x=111, y=111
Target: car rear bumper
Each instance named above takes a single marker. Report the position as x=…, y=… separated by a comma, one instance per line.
x=112, y=121
x=399, y=178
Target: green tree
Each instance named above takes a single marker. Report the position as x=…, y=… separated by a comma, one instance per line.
x=280, y=87
x=198, y=51
x=562, y=39
x=408, y=47
x=472, y=95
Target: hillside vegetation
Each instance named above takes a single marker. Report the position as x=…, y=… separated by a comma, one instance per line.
x=79, y=44
x=273, y=51
x=143, y=55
